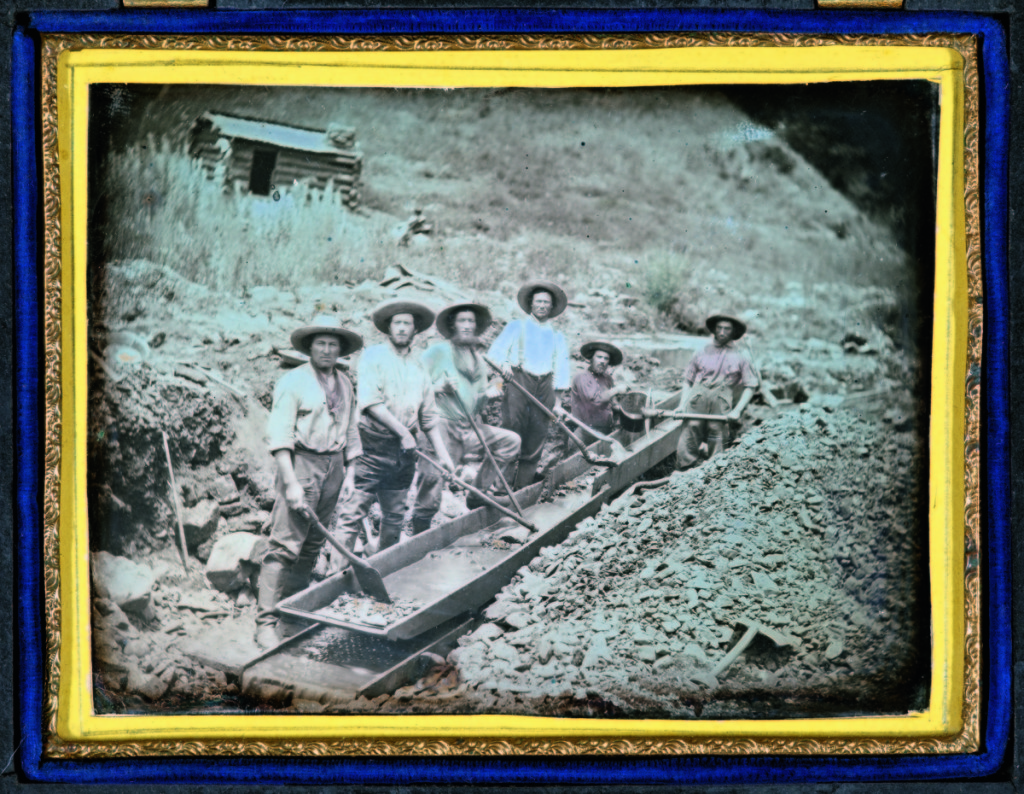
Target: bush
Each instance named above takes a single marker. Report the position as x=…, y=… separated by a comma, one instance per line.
x=163, y=208
x=664, y=276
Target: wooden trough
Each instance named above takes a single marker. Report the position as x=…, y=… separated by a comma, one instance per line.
x=459, y=566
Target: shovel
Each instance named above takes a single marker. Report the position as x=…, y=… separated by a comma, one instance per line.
x=477, y=491
x=618, y=451
x=611, y=464
x=367, y=576
x=753, y=629
x=490, y=457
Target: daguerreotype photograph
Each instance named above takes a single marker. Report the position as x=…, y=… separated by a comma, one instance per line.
x=588, y=402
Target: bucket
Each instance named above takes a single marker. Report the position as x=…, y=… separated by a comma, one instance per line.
x=629, y=407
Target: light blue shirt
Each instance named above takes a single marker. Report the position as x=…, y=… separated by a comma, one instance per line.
x=536, y=347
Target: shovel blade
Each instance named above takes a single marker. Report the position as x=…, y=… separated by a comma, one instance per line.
x=371, y=582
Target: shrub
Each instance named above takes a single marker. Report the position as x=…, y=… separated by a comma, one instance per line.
x=664, y=275
x=162, y=207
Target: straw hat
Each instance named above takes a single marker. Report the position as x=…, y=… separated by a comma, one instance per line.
x=738, y=326
x=422, y=316
x=302, y=338
x=443, y=324
x=558, y=298
x=588, y=350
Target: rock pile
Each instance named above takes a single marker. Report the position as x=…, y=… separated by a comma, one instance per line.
x=812, y=526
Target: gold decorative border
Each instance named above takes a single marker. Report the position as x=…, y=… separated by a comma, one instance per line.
x=966, y=741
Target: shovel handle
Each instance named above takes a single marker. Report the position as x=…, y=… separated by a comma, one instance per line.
x=351, y=555
x=477, y=491
x=548, y=413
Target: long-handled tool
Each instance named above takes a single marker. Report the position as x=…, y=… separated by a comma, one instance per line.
x=487, y=450
x=682, y=415
x=753, y=629
x=616, y=444
x=589, y=458
x=477, y=491
x=369, y=578
x=177, y=504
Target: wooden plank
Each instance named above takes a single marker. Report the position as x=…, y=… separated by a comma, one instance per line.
x=485, y=586
x=659, y=445
x=402, y=673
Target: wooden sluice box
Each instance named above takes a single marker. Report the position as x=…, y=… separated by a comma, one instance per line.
x=439, y=578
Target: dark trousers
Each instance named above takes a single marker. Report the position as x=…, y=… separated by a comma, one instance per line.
x=384, y=473
x=521, y=416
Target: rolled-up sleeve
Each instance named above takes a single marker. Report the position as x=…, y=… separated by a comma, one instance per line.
x=370, y=390
x=561, y=363
x=747, y=376
x=429, y=417
x=353, y=442
x=281, y=424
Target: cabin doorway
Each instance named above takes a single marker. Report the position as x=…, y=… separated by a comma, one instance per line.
x=263, y=162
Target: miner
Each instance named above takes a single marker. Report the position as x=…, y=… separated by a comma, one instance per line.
x=536, y=356
x=593, y=389
x=314, y=438
x=460, y=380
x=710, y=381
x=396, y=401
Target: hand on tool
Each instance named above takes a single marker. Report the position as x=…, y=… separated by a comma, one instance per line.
x=559, y=411
x=408, y=441
x=295, y=496
x=734, y=414
x=348, y=486
x=506, y=372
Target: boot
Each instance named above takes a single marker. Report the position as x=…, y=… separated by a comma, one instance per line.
x=271, y=584
x=421, y=524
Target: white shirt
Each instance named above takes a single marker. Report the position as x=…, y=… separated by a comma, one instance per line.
x=536, y=347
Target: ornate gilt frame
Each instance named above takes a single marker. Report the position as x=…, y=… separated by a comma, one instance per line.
x=966, y=740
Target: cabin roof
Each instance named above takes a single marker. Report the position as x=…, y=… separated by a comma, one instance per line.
x=280, y=135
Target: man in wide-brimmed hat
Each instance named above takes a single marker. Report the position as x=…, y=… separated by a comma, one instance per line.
x=314, y=438
x=460, y=378
x=396, y=401
x=710, y=380
x=593, y=389
x=536, y=356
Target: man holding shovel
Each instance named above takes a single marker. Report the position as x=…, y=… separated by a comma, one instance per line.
x=396, y=399
x=593, y=389
x=460, y=379
x=710, y=380
x=314, y=438
x=536, y=356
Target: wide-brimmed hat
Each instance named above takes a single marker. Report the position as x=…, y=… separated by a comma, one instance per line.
x=588, y=350
x=326, y=324
x=738, y=326
x=422, y=316
x=558, y=298
x=443, y=324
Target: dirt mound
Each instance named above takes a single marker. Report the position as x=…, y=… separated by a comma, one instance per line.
x=811, y=527
x=128, y=467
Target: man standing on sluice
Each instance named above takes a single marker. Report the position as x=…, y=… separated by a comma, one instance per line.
x=593, y=389
x=314, y=438
x=534, y=355
x=396, y=399
x=460, y=379
x=710, y=380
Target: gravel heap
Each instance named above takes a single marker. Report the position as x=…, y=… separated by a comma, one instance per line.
x=813, y=525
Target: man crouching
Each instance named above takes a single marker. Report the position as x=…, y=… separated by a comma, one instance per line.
x=460, y=378
x=314, y=438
